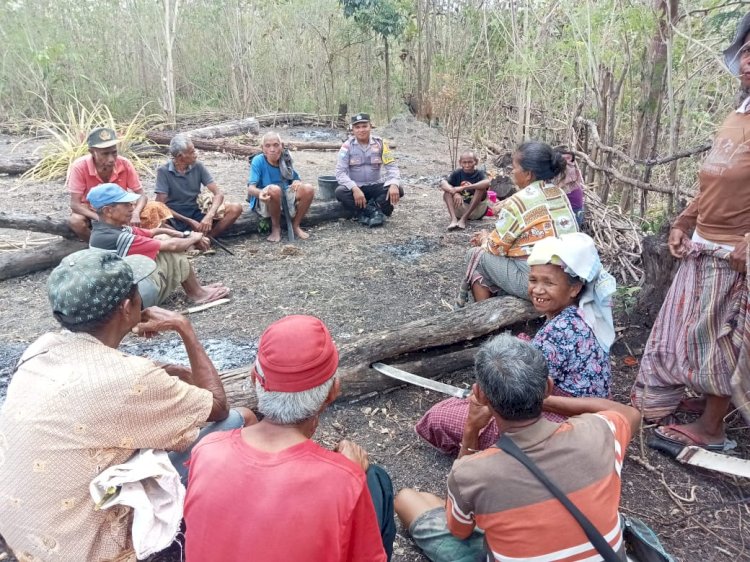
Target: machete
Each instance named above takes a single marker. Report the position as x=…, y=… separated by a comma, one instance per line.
x=700, y=457
x=404, y=376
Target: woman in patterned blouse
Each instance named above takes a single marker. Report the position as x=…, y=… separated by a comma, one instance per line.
x=569, y=287
x=538, y=210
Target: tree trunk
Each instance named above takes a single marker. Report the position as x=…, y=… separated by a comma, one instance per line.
x=17, y=165
x=387, y=81
x=228, y=129
x=14, y=264
x=427, y=337
x=659, y=268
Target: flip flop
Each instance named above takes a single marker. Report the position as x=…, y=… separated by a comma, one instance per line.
x=216, y=294
x=696, y=441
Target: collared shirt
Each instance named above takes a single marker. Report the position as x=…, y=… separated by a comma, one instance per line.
x=182, y=189
x=74, y=408
x=361, y=165
x=263, y=174
x=83, y=177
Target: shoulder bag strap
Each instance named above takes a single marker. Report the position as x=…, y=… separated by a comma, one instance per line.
x=506, y=444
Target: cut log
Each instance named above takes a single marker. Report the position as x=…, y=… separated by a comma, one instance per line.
x=36, y=223
x=228, y=129
x=237, y=149
x=429, y=335
x=17, y=165
x=14, y=264
x=240, y=391
x=303, y=119
x=18, y=263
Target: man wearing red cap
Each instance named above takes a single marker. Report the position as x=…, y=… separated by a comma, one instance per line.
x=269, y=492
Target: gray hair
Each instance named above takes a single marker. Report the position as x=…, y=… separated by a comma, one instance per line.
x=289, y=408
x=179, y=144
x=270, y=135
x=513, y=374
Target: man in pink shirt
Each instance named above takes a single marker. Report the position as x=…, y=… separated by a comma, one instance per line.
x=270, y=492
x=101, y=165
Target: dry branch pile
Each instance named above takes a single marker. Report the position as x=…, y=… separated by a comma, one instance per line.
x=617, y=238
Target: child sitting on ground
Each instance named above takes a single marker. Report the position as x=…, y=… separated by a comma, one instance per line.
x=465, y=191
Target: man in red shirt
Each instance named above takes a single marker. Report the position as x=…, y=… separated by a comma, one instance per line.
x=115, y=208
x=101, y=165
x=269, y=492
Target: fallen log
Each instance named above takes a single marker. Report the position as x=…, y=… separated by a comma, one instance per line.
x=425, y=335
x=301, y=120
x=36, y=223
x=23, y=262
x=17, y=165
x=240, y=391
x=18, y=263
x=228, y=129
x=237, y=149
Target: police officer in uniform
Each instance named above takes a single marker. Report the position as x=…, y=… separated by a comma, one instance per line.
x=361, y=160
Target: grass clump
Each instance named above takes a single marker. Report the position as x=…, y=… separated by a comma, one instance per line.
x=68, y=130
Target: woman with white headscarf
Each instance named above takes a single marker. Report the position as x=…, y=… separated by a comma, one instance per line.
x=568, y=285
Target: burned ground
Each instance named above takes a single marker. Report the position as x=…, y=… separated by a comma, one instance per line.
x=361, y=281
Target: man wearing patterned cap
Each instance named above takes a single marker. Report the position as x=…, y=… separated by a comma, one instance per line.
x=76, y=406
x=104, y=165
x=360, y=162
x=297, y=500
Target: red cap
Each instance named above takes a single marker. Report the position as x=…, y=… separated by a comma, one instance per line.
x=295, y=354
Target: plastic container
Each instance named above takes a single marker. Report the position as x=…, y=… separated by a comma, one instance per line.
x=492, y=196
x=327, y=187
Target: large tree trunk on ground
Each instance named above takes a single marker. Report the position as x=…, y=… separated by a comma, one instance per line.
x=36, y=223
x=659, y=268
x=14, y=264
x=228, y=129
x=431, y=335
x=17, y=165
x=164, y=137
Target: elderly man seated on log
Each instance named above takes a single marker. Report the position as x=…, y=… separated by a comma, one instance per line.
x=272, y=176
x=104, y=165
x=76, y=406
x=489, y=490
x=178, y=184
x=114, y=207
x=303, y=502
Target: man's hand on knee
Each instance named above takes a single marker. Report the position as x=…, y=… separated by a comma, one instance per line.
x=354, y=453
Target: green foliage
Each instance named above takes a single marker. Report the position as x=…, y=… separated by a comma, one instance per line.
x=387, y=18
x=626, y=298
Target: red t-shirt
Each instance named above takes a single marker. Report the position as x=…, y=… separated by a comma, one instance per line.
x=303, y=503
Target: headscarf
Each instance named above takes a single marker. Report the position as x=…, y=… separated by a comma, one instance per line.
x=577, y=255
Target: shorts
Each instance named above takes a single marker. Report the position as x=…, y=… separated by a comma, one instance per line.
x=476, y=214
x=430, y=532
x=189, y=212
x=291, y=199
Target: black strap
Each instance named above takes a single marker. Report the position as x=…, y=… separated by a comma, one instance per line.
x=506, y=444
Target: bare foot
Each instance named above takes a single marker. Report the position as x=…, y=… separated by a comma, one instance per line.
x=275, y=235
x=301, y=234
x=210, y=294
x=452, y=226
x=461, y=224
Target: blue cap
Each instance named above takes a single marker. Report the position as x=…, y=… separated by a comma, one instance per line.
x=109, y=194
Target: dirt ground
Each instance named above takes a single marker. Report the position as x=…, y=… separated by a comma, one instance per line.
x=361, y=281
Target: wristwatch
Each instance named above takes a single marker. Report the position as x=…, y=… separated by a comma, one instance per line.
x=186, y=233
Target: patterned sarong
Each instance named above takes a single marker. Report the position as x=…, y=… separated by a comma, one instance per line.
x=741, y=377
x=442, y=426
x=697, y=338
x=154, y=214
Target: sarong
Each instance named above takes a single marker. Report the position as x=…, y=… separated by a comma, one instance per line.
x=154, y=214
x=500, y=274
x=442, y=426
x=698, y=335
x=741, y=376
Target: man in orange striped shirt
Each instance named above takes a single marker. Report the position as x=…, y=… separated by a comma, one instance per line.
x=495, y=505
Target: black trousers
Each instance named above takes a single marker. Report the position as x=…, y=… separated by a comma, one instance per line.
x=372, y=191
x=381, y=491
